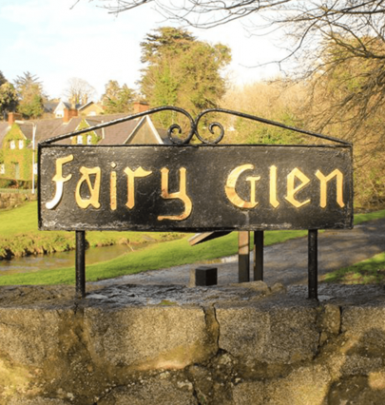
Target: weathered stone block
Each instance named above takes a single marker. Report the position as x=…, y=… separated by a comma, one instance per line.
x=149, y=337
x=304, y=386
x=29, y=336
x=153, y=391
x=249, y=393
x=36, y=401
x=274, y=335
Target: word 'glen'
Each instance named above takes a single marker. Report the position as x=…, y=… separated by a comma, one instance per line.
x=90, y=180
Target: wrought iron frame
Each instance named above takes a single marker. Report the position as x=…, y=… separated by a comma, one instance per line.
x=194, y=132
x=194, y=124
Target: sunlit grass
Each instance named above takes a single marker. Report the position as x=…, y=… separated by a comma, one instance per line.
x=156, y=256
x=19, y=235
x=370, y=271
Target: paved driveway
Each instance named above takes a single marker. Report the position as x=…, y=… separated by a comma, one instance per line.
x=285, y=262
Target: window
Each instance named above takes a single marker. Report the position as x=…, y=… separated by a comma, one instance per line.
x=2, y=168
x=79, y=140
x=21, y=144
x=12, y=145
x=89, y=139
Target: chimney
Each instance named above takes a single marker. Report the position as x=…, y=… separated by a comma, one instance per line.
x=74, y=102
x=69, y=113
x=12, y=117
x=140, y=106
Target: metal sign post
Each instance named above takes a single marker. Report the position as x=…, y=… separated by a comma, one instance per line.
x=196, y=188
x=258, y=255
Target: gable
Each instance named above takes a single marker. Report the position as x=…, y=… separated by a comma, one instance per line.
x=144, y=134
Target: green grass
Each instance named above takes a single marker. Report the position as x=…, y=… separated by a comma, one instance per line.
x=360, y=218
x=370, y=271
x=19, y=235
x=160, y=255
x=156, y=256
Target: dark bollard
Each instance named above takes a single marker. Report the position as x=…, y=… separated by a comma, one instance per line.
x=203, y=276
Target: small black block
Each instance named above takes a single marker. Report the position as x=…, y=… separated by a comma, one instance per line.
x=205, y=275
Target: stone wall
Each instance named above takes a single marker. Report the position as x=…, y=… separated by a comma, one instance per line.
x=11, y=200
x=172, y=345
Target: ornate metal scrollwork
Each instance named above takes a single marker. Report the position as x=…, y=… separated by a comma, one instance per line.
x=253, y=118
x=213, y=127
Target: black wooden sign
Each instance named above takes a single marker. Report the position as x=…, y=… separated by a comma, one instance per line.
x=195, y=188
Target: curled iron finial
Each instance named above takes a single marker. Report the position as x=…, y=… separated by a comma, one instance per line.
x=212, y=127
x=177, y=141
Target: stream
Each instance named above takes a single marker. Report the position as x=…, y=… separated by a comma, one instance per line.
x=59, y=259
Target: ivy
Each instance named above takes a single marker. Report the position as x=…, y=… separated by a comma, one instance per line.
x=11, y=157
x=94, y=137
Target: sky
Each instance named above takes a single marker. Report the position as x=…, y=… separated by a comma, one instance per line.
x=57, y=42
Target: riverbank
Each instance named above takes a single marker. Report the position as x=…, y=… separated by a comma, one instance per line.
x=154, y=256
x=19, y=236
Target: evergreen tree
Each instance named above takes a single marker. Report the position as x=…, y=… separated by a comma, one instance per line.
x=182, y=71
x=30, y=92
x=117, y=99
x=8, y=97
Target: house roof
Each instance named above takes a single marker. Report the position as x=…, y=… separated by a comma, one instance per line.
x=26, y=129
x=50, y=106
x=117, y=134
x=85, y=105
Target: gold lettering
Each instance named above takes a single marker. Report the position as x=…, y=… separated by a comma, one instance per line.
x=291, y=190
x=231, y=183
x=59, y=180
x=181, y=195
x=273, y=186
x=324, y=180
x=113, y=190
x=94, y=190
x=131, y=175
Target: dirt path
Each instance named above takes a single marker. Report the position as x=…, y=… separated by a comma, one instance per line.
x=285, y=262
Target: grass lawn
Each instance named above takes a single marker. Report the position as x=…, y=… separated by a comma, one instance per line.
x=370, y=271
x=19, y=234
x=157, y=255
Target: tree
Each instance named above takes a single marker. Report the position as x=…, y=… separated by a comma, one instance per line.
x=2, y=78
x=277, y=101
x=355, y=29
x=8, y=99
x=30, y=93
x=182, y=71
x=117, y=99
x=335, y=47
x=78, y=91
